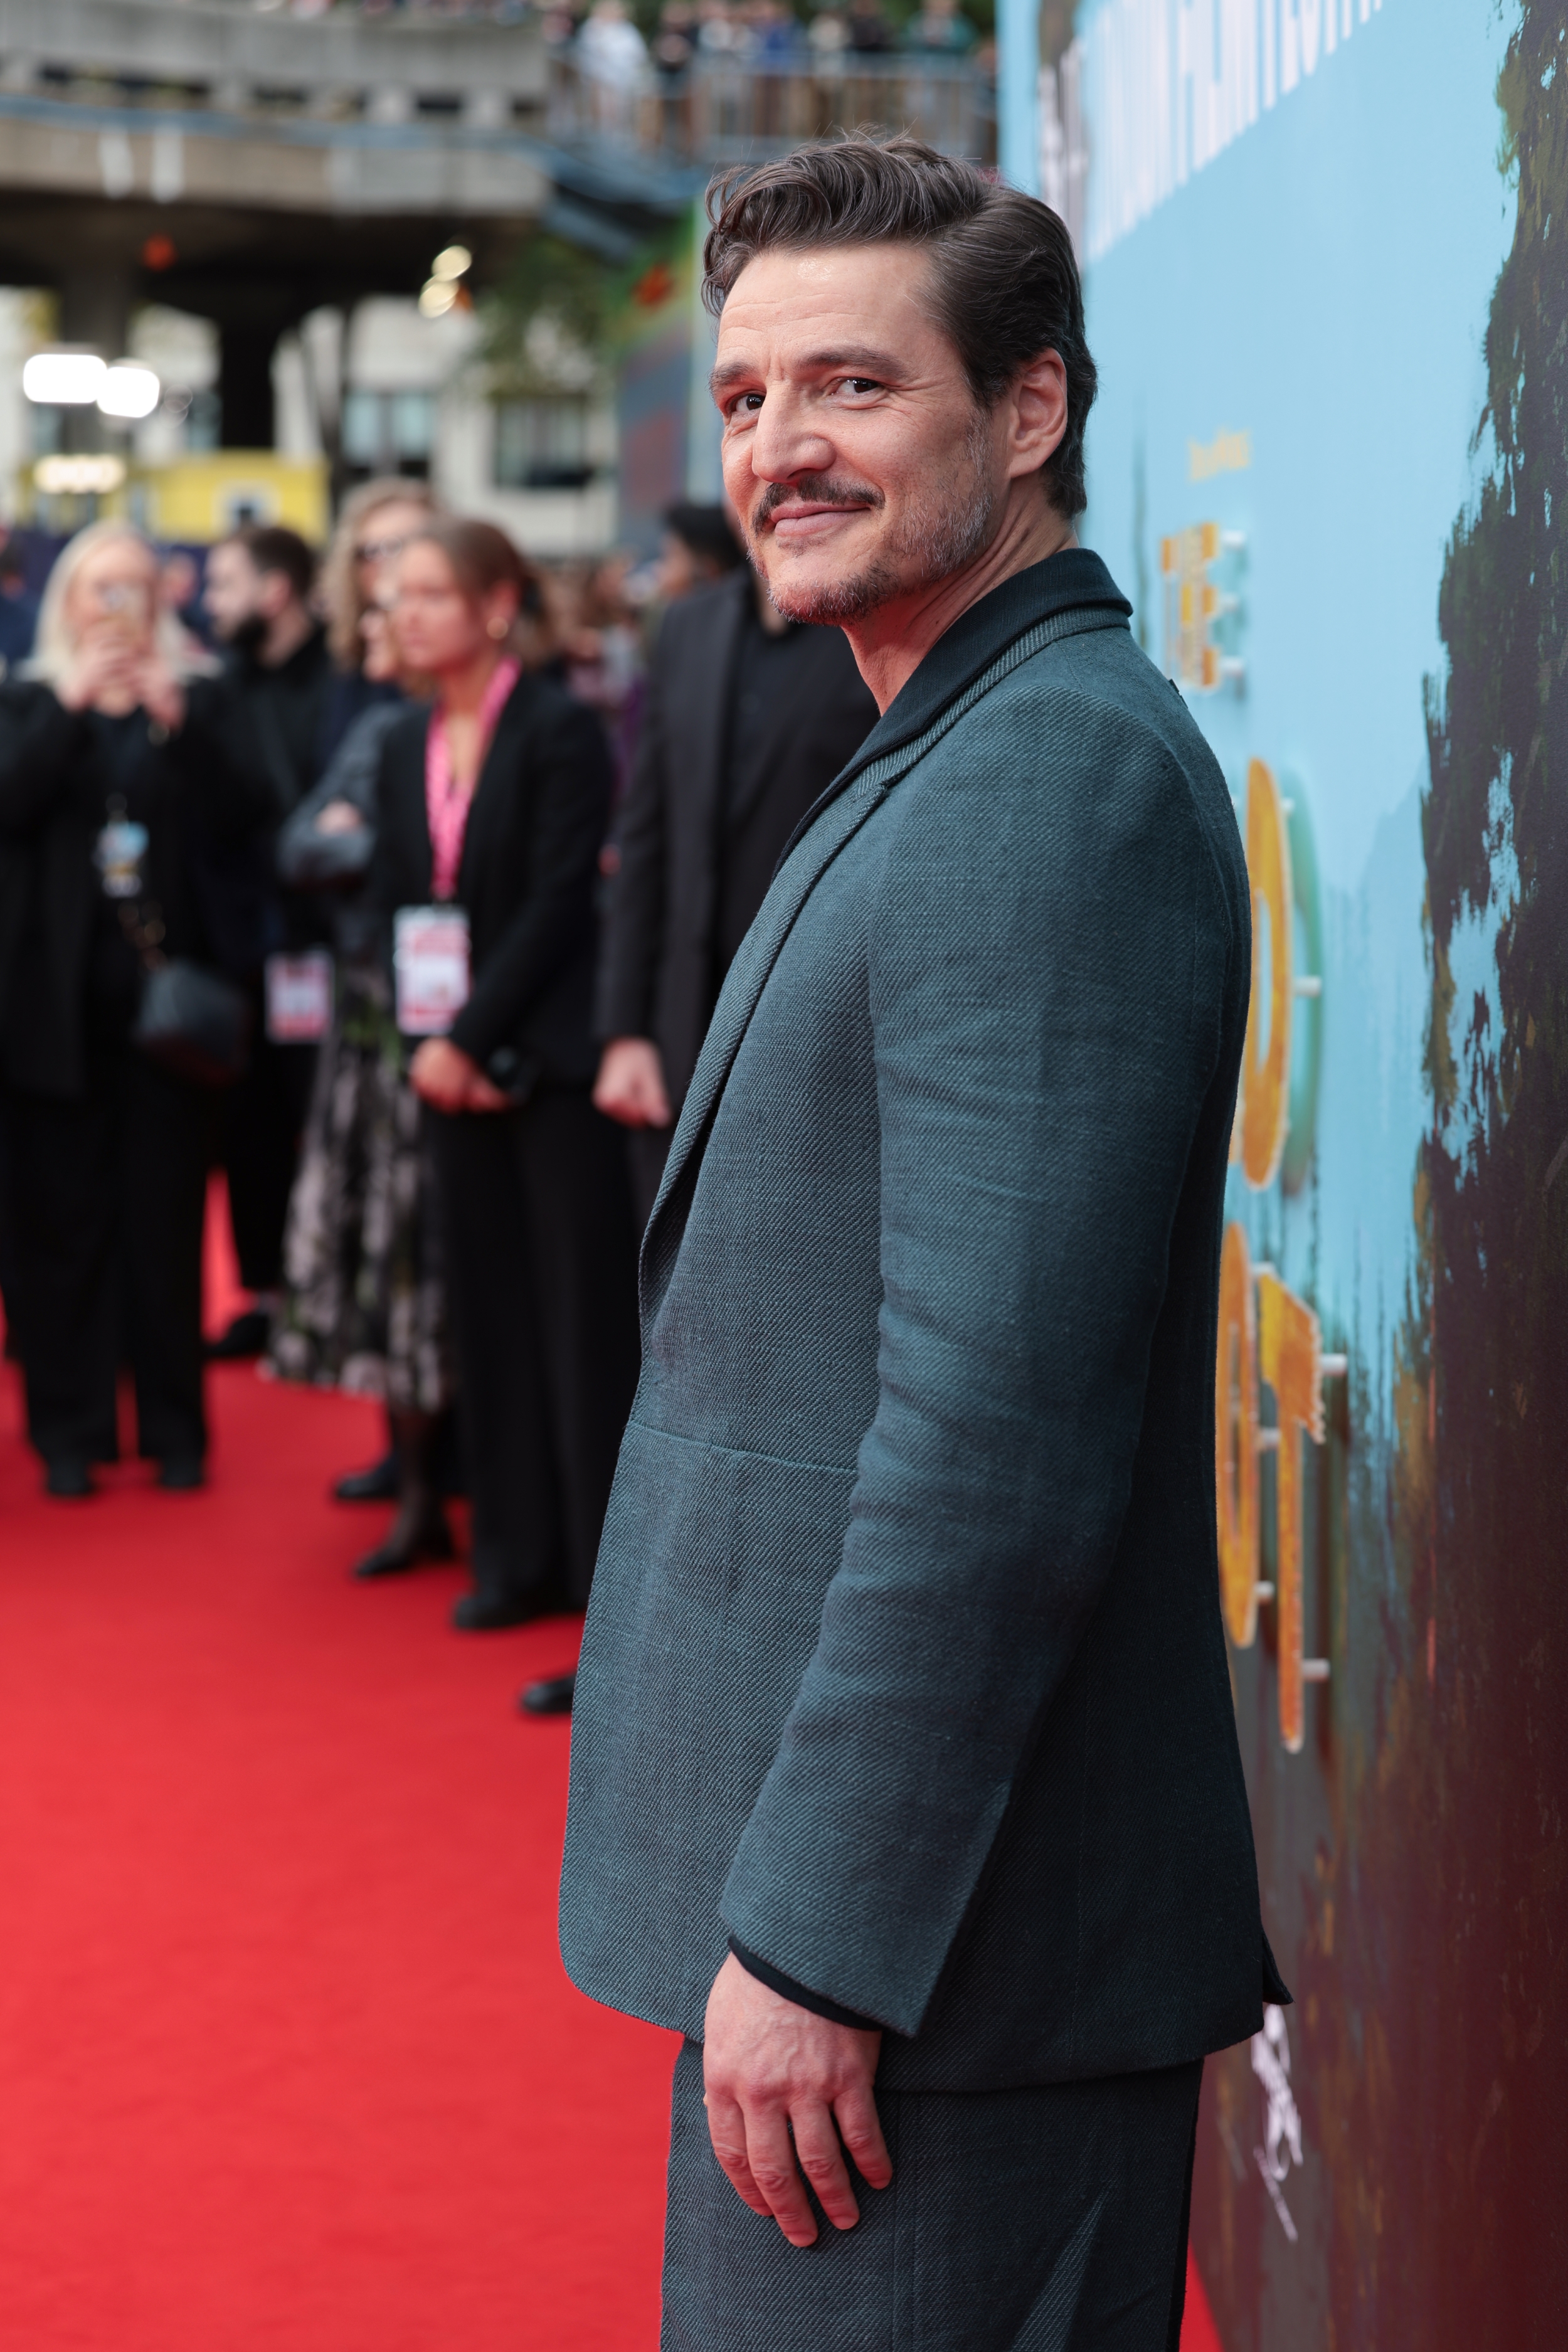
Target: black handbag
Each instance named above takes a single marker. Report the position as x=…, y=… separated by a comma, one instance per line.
x=194, y=1023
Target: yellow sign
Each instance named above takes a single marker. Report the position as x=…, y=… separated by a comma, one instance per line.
x=1277, y=1340
x=1193, y=605
x=1265, y=1105
x=1228, y=453
x=203, y=498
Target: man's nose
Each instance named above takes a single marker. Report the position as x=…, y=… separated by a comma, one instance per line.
x=788, y=439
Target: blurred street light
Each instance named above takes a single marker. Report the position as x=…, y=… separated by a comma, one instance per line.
x=83, y=477
x=453, y=261
x=129, y=389
x=438, y=296
x=64, y=379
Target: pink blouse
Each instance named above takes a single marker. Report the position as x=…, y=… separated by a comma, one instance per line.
x=446, y=803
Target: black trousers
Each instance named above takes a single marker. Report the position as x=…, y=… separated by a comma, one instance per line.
x=263, y=1120
x=1048, y=2219
x=648, y=1149
x=106, y=1198
x=541, y=1279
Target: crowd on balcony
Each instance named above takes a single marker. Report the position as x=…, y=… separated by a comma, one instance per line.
x=609, y=42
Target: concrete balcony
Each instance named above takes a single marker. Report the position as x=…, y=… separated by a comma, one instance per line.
x=724, y=110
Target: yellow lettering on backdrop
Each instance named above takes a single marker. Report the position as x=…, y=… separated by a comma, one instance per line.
x=1235, y=1440
x=1266, y=1068
x=1290, y=1355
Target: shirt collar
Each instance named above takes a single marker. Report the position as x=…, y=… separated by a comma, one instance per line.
x=1074, y=577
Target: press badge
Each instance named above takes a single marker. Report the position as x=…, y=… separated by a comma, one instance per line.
x=299, y=997
x=430, y=968
x=118, y=854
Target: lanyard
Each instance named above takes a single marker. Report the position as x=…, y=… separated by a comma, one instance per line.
x=446, y=804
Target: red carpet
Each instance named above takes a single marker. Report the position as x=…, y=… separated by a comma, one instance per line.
x=287, y=2055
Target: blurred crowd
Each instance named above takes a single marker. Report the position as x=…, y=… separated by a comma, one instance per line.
x=399, y=885
x=605, y=36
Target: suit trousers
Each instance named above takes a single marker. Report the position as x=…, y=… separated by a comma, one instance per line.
x=263, y=1123
x=541, y=1281
x=106, y=1201
x=1049, y=2219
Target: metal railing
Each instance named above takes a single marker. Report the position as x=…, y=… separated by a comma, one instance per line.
x=728, y=109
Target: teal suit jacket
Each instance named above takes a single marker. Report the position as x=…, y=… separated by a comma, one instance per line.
x=904, y=1663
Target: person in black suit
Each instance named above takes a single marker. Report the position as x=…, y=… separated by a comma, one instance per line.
x=493, y=806
x=128, y=811
x=749, y=717
x=258, y=594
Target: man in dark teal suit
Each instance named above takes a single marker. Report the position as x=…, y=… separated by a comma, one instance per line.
x=905, y=1782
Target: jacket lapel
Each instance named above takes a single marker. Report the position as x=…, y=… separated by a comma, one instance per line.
x=498, y=772
x=822, y=833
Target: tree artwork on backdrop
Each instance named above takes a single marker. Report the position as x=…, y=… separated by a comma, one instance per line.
x=1480, y=1480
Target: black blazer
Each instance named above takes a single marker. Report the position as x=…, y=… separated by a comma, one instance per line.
x=204, y=800
x=658, y=977
x=527, y=880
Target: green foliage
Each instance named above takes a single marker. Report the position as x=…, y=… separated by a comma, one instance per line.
x=589, y=305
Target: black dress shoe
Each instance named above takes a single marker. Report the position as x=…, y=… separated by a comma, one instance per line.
x=429, y=1538
x=376, y=1484
x=182, y=1474
x=552, y=1695
x=489, y=1612
x=66, y=1479
x=248, y=1335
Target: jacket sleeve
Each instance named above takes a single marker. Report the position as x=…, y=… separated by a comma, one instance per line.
x=570, y=804
x=1047, y=966
x=355, y=765
x=633, y=922
x=39, y=741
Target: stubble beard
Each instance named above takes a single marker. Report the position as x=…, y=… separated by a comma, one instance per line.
x=942, y=529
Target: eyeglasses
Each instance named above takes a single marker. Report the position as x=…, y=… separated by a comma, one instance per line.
x=379, y=550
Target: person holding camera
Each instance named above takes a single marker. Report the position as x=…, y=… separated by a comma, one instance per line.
x=128, y=815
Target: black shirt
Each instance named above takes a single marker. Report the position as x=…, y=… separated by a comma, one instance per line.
x=764, y=682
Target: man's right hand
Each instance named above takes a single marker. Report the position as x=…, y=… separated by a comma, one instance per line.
x=630, y=1084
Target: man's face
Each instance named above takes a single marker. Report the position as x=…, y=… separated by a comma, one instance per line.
x=853, y=450
x=233, y=594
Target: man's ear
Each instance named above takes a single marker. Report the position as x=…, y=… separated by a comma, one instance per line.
x=1039, y=414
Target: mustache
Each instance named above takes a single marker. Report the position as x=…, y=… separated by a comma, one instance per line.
x=813, y=490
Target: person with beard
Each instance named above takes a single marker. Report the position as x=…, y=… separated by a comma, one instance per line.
x=259, y=583
x=905, y=1782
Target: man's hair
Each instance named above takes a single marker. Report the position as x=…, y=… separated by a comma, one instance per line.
x=1003, y=283
x=707, y=531
x=273, y=546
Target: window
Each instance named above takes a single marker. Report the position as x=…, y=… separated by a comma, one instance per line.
x=388, y=432
x=542, y=445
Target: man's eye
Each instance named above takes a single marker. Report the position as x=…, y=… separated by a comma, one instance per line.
x=746, y=404
x=861, y=383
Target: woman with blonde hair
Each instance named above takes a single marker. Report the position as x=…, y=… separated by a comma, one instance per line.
x=363, y=1308
x=128, y=806
x=374, y=524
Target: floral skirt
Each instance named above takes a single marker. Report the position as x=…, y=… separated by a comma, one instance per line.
x=365, y=1304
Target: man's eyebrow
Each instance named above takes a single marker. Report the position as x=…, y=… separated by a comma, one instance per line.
x=855, y=362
